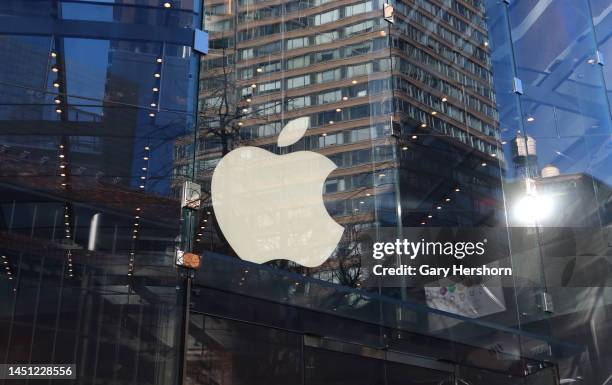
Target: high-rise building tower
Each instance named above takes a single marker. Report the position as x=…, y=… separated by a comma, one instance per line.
x=405, y=109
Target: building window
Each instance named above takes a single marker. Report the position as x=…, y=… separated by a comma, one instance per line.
x=327, y=17
x=297, y=103
x=246, y=73
x=298, y=62
x=358, y=70
x=270, y=67
x=330, y=97
x=329, y=76
x=247, y=54
x=327, y=37
x=327, y=55
x=359, y=28
x=269, y=49
x=269, y=129
x=266, y=88
x=299, y=81
x=299, y=42
x=356, y=9
x=269, y=108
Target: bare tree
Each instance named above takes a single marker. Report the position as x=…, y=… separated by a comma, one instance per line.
x=348, y=256
x=221, y=111
x=222, y=114
x=226, y=105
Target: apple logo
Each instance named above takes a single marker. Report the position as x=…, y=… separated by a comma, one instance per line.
x=270, y=206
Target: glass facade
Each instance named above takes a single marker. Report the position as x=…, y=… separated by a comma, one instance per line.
x=454, y=120
x=558, y=131
x=93, y=96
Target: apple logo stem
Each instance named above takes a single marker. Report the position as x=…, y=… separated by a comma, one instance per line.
x=271, y=206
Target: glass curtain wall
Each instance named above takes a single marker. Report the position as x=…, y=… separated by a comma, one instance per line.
x=406, y=110
x=408, y=113
x=553, y=97
x=455, y=121
x=411, y=124
x=93, y=96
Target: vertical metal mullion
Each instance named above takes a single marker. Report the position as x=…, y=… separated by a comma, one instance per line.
x=12, y=217
x=36, y=306
x=596, y=44
x=302, y=353
x=184, y=335
x=33, y=220
x=99, y=327
x=161, y=327
x=161, y=76
x=46, y=80
x=607, y=100
x=57, y=311
x=138, y=340
x=114, y=248
x=84, y=302
x=74, y=231
x=521, y=126
x=117, y=343
x=55, y=215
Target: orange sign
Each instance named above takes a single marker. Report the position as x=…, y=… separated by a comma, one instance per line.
x=188, y=260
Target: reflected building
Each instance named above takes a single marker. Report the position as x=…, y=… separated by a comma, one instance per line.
x=409, y=119
x=524, y=157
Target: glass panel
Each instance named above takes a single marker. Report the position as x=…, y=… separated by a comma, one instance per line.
x=321, y=368
x=89, y=205
x=217, y=354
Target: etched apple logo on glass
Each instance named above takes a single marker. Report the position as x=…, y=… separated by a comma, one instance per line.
x=271, y=206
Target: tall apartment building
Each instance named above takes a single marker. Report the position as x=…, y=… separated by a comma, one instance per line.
x=405, y=109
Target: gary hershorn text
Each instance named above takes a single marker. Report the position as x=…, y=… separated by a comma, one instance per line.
x=455, y=270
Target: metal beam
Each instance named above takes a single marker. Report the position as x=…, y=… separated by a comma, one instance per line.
x=87, y=29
